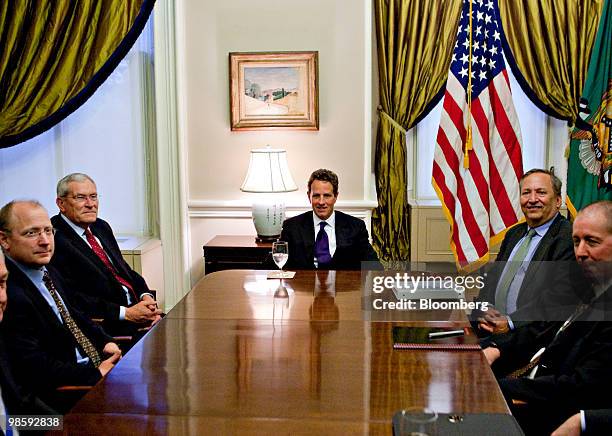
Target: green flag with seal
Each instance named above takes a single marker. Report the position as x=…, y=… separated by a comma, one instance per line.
x=589, y=171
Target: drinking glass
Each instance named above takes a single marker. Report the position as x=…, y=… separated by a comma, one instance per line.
x=280, y=254
x=418, y=422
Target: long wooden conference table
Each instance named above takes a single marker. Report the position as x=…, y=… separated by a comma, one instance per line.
x=238, y=356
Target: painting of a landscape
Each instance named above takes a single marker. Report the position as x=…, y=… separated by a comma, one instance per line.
x=272, y=91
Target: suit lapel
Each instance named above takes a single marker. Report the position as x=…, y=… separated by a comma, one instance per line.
x=108, y=247
x=309, y=235
x=34, y=295
x=516, y=235
x=546, y=240
x=342, y=231
x=79, y=244
x=537, y=259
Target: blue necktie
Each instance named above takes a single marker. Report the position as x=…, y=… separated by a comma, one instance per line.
x=321, y=249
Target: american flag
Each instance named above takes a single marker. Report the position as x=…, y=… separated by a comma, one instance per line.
x=478, y=187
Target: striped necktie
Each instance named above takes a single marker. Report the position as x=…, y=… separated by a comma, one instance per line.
x=536, y=359
x=82, y=340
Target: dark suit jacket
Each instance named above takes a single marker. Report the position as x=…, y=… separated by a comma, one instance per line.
x=352, y=245
x=41, y=349
x=95, y=290
x=598, y=422
x=16, y=400
x=575, y=371
x=546, y=292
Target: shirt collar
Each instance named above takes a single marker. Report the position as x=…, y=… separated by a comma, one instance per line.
x=34, y=274
x=78, y=230
x=331, y=221
x=600, y=289
x=543, y=228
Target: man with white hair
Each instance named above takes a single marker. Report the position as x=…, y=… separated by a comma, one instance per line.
x=104, y=285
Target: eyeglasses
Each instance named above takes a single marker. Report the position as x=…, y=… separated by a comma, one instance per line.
x=36, y=233
x=80, y=198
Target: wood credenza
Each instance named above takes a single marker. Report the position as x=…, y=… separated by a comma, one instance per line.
x=237, y=252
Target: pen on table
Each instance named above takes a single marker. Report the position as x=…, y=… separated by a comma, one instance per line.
x=446, y=334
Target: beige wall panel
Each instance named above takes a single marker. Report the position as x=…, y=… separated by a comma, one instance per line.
x=431, y=235
x=145, y=256
x=438, y=234
x=217, y=157
x=204, y=229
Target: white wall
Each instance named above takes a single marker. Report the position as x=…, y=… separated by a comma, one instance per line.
x=217, y=158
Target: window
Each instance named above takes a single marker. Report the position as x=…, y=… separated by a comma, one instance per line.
x=543, y=144
x=109, y=137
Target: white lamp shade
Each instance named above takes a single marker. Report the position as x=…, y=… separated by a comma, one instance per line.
x=268, y=172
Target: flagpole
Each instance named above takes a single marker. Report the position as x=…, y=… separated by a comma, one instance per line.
x=468, y=136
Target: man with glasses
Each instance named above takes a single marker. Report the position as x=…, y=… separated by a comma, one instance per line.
x=13, y=399
x=88, y=254
x=49, y=343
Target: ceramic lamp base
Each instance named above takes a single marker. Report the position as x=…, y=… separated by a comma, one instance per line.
x=268, y=218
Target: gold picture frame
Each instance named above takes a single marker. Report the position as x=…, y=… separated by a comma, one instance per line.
x=274, y=90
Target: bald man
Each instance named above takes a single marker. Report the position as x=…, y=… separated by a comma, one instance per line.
x=13, y=399
x=49, y=343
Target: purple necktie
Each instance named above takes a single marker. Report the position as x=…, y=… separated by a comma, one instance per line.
x=321, y=249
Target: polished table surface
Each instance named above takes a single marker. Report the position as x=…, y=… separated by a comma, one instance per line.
x=237, y=355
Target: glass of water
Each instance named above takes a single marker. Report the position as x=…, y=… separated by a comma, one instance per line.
x=280, y=254
x=416, y=421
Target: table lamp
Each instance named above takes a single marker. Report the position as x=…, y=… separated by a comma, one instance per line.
x=268, y=174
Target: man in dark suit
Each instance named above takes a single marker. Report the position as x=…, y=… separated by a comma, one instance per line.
x=564, y=367
x=15, y=400
x=530, y=279
x=324, y=238
x=87, y=253
x=49, y=343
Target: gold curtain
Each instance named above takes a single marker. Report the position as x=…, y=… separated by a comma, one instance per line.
x=551, y=41
x=55, y=54
x=415, y=40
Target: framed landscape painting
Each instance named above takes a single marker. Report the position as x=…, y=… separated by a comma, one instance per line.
x=274, y=90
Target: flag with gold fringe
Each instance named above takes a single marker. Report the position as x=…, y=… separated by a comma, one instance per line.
x=589, y=169
x=477, y=160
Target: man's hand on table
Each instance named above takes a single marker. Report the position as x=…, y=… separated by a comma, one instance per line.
x=491, y=354
x=494, y=322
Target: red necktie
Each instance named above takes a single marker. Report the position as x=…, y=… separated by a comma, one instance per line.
x=104, y=258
